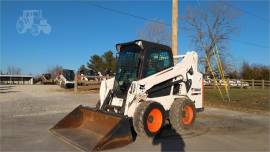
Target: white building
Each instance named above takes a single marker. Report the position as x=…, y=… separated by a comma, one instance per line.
x=16, y=79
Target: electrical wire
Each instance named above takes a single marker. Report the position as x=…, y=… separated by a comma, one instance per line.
x=166, y=24
x=246, y=12
x=250, y=43
x=128, y=14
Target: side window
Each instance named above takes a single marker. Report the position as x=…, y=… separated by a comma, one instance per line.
x=156, y=61
x=164, y=59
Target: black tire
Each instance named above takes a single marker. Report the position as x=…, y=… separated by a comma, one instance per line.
x=35, y=31
x=178, y=114
x=142, y=120
x=20, y=26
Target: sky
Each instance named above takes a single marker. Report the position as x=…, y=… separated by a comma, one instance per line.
x=80, y=29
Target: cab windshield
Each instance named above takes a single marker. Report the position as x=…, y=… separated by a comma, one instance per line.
x=126, y=68
x=69, y=74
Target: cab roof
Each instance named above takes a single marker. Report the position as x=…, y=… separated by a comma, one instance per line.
x=143, y=44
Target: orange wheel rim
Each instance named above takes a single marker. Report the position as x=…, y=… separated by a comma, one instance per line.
x=187, y=115
x=154, y=120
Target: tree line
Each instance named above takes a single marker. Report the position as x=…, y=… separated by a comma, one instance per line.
x=105, y=63
x=248, y=72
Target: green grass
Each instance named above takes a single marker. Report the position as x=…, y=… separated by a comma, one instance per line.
x=249, y=100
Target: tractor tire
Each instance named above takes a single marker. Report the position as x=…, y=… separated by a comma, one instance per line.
x=35, y=31
x=149, y=118
x=20, y=26
x=182, y=115
x=46, y=29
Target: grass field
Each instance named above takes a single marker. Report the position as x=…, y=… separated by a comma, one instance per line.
x=248, y=100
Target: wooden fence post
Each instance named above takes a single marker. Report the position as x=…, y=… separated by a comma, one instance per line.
x=252, y=83
x=263, y=84
x=228, y=84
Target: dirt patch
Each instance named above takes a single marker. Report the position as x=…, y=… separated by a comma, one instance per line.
x=81, y=89
x=27, y=115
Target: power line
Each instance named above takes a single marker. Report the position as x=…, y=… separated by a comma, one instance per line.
x=250, y=43
x=246, y=12
x=129, y=14
x=166, y=24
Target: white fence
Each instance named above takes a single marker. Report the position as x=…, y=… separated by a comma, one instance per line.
x=239, y=83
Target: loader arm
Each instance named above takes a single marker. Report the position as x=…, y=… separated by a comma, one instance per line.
x=184, y=73
x=190, y=60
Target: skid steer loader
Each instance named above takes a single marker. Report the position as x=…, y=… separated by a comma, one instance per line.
x=146, y=90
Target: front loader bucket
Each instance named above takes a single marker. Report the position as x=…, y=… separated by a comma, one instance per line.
x=93, y=130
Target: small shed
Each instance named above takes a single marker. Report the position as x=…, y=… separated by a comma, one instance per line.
x=16, y=79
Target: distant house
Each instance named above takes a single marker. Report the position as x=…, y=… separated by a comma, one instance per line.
x=16, y=79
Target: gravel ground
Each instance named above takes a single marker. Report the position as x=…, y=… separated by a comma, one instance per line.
x=27, y=112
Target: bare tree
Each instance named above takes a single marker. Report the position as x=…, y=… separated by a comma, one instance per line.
x=55, y=70
x=155, y=32
x=13, y=70
x=209, y=27
x=226, y=63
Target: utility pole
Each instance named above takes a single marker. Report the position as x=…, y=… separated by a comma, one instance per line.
x=175, y=29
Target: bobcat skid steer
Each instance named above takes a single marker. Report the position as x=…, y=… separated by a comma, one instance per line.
x=146, y=90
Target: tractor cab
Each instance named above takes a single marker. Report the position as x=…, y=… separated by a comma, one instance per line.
x=32, y=14
x=139, y=59
x=68, y=74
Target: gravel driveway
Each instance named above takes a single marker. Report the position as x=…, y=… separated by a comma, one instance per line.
x=27, y=112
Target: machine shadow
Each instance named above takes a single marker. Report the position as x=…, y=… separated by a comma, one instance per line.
x=169, y=140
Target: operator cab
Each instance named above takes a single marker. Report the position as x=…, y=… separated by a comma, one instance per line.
x=68, y=74
x=139, y=59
